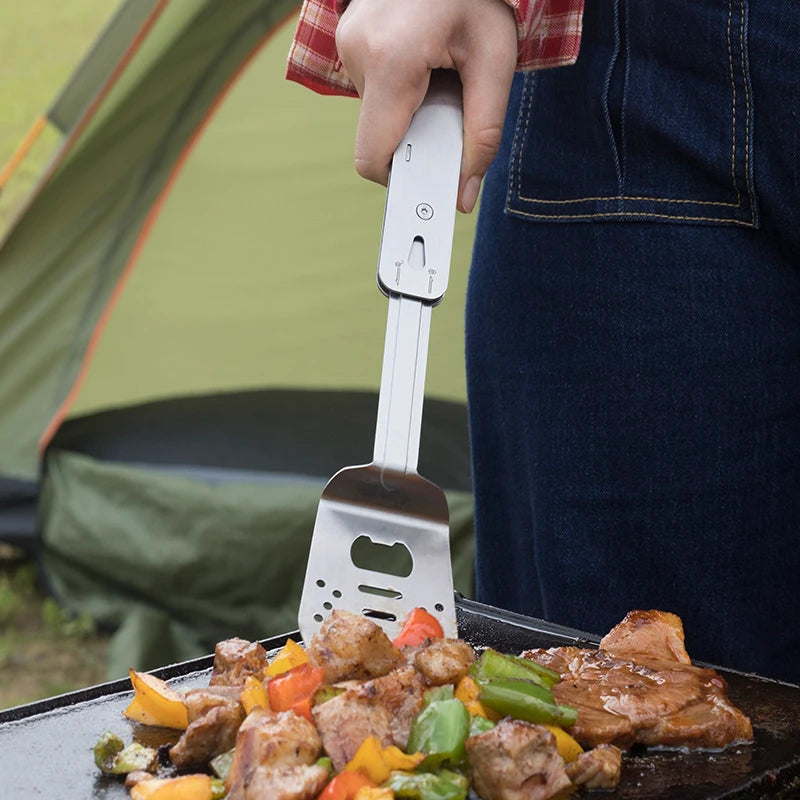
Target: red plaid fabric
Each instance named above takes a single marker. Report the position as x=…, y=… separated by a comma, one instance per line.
x=549, y=34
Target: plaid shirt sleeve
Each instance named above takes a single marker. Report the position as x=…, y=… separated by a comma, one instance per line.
x=549, y=33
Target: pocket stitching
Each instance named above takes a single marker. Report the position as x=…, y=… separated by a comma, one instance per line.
x=516, y=159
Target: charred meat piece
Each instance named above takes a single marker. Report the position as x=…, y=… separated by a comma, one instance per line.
x=598, y=768
x=266, y=739
x=401, y=694
x=346, y=720
x=651, y=634
x=208, y=735
x=349, y=646
x=300, y=782
x=516, y=760
x=234, y=660
x=199, y=702
x=630, y=696
x=444, y=661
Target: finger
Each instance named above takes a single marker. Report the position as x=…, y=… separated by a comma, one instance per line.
x=386, y=111
x=485, y=93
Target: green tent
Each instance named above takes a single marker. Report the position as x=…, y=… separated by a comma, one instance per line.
x=191, y=333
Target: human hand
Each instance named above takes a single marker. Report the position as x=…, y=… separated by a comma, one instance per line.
x=389, y=49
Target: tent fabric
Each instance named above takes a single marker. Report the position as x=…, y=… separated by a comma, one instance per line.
x=174, y=564
x=63, y=260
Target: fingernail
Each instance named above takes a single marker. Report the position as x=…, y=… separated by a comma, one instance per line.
x=470, y=194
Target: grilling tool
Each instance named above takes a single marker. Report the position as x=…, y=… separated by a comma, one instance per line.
x=386, y=504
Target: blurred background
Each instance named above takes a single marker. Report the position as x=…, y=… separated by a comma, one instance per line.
x=190, y=334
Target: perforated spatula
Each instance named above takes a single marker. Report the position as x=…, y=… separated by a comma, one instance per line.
x=386, y=501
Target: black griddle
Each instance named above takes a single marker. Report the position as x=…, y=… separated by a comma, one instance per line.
x=46, y=746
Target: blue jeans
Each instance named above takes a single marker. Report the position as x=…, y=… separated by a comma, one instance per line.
x=633, y=332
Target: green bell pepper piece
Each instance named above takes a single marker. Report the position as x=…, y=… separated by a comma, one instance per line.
x=492, y=664
x=480, y=725
x=442, y=785
x=439, y=731
x=525, y=700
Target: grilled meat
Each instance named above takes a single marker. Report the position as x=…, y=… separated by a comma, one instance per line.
x=516, y=761
x=199, y=702
x=346, y=720
x=401, y=694
x=598, y=768
x=444, y=661
x=276, y=741
x=647, y=634
x=299, y=782
x=208, y=735
x=631, y=696
x=234, y=660
x=349, y=646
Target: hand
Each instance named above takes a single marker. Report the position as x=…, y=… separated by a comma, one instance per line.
x=389, y=48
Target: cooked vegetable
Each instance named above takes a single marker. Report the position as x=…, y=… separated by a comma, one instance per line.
x=377, y=762
x=442, y=785
x=568, y=748
x=185, y=787
x=253, y=694
x=418, y=627
x=345, y=786
x=156, y=703
x=374, y=793
x=492, y=664
x=440, y=730
x=221, y=764
x=468, y=692
x=480, y=725
x=114, y=758
x=525, y=700
x=291, y=655
x=293, y=689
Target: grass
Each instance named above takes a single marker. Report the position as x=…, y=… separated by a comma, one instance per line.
x=43, y=650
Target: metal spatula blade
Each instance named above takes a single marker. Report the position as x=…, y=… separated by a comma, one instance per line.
x=386, y=504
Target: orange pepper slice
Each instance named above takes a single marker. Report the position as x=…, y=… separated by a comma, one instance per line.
x=156, y=703
x=345, y=786
x=292, y=688
x=184, y=787
x=377, y=762
x=291, y=655
x=418, y=627
x=253, y=694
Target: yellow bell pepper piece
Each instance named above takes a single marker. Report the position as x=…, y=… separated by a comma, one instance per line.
x=155, y=703
x=374, y=793
x=377, y=762
x=291, y=655
x=253, y=694
x=185, y=787
x=468, y=692
x=568, y=748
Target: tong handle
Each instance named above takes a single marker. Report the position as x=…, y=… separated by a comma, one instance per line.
x=419, y=218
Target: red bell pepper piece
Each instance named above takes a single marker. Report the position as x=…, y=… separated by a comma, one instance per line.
x=344, y=786
x=293, y=689
x=418, y=626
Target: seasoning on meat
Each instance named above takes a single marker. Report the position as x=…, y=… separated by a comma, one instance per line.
x=346, y=720
x=444, y=661
x=299, y=782
x=235, y=659
x=401, y=693
x=271, y=740
x=598, y=768
x=200, y=701
x=208, y=735
x=516, y=761
x=645, y=692
x=349, y=646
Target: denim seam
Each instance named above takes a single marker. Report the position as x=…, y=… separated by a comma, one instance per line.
x=516, y=165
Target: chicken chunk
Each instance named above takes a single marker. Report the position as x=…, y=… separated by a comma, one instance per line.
x=299, y=782
x=401, y=694
x=444, y=661
x=598, y=768
x=516, y=760
x=199, y=702
x=236, y=659
x=349, y=646
x=208, y=735
x=267, y=739
x=346, y=720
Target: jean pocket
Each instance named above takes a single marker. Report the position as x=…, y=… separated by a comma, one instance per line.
x=653, y=122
